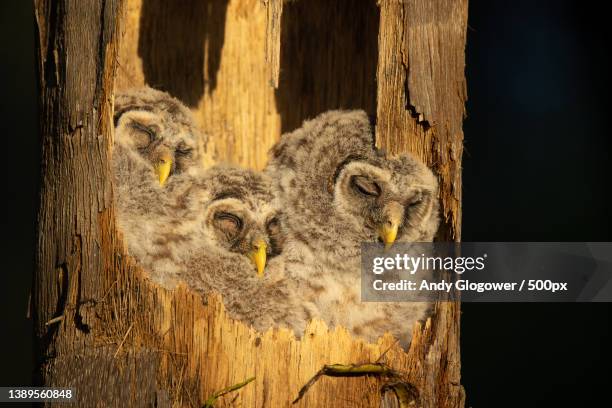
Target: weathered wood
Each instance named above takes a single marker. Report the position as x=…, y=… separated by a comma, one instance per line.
x=77, y=255
x=401, y=61
x=274, y=11
x=422, y=90
x=420, y=109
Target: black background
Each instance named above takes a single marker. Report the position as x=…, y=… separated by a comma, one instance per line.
x=536, y=168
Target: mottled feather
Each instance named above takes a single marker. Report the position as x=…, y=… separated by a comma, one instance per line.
x=336, y=189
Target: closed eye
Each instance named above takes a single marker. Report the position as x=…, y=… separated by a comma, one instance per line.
x=415, y=202
x=415, y=206
x=416, y=199
x=144, y=129
x=230, y=224
x=273, y=225
x=143, y=135
x=365, y=186
x=184, y=150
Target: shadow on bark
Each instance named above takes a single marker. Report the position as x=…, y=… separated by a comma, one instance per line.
x=329, y=54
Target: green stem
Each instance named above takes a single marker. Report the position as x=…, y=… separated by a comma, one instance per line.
x=213, y=398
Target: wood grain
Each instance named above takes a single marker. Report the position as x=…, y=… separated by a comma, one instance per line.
x=274, y=12
x=420, y=109
x=422, y=90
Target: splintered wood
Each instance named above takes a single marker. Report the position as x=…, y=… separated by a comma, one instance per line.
x=422, y=91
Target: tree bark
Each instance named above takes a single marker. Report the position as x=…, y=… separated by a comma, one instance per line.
x=78, y=255
x=249, y=70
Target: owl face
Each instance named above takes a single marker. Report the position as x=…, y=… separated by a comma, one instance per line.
x=238, y=215
x=168, y=153
x=159, y=128
x=338, y=190
x=383, y=203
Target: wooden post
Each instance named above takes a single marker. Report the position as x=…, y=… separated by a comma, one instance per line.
x=78, y=256
x=248, y=69
x=420, y=109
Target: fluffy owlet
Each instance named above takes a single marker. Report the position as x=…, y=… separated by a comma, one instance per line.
x=219, y=230
x=159, y=128
x=338, y=191
x=154, y=147
x=232, y=230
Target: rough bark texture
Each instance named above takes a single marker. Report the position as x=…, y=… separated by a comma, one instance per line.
x=78, y=256
x=118, y=339
x=422, y=90
x=420, y=109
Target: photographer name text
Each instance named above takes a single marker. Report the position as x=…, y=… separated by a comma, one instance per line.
x=465, y=285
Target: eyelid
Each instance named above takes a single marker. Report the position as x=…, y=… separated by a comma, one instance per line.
x=273, y=220
x=419, y=197
x=229, y=216
x=362, y=189
x=151, y=132
x=183, y=150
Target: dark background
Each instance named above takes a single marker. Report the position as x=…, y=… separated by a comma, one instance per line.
x=536, y=168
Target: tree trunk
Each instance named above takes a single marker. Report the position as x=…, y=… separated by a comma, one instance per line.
x=249, y=70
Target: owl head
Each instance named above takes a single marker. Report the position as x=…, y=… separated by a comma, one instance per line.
x=158, y=127
x=390, y=200
x=340, y=191
x=236, y=214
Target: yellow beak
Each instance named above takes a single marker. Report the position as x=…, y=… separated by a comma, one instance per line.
x=162, y=168
x=258, y=256
x=388, y=232
x=393, y=217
